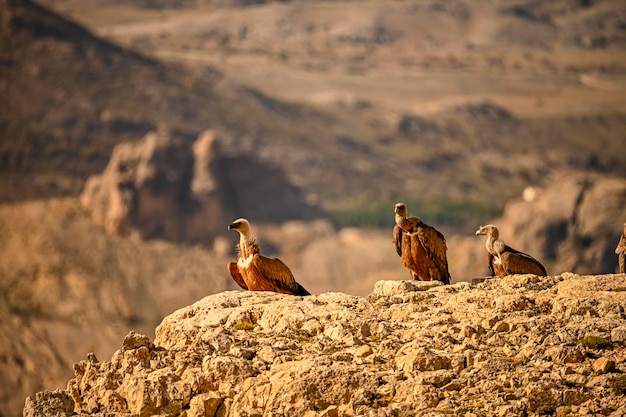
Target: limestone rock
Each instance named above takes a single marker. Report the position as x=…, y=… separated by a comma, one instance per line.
x=204, y=405
x=603, y=365
x=618, y=335
x=505, y=347
x=163, y=186
x=389, y=288
x=134, y=341
x=49, y=404
x=145, y=189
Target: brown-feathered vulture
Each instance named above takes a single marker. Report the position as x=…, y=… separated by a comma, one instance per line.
x=421, y=247
x=255, y=272
x=620, y=250
x=503, y=260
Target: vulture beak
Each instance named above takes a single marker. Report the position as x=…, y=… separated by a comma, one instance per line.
x=231, y=226
x=479, y=231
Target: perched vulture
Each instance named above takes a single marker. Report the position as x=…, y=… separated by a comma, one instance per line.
x=503, y=260
x=620, y=250
x=422, y=248
x=255, y=272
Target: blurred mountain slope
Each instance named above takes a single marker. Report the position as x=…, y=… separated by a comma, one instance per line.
x=452, y=113
x=69, y=97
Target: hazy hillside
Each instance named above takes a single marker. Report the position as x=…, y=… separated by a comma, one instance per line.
x=69, y=97
x=425, y=101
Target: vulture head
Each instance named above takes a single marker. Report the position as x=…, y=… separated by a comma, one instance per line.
x=240, y=225
x=489, y=230
x=400, y=209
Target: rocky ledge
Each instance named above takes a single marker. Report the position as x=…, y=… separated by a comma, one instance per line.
x=517, y=346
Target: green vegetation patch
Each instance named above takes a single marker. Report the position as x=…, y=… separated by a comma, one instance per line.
x=422, y=301
x=244, y=325
x=594, y=342
x=302, y=337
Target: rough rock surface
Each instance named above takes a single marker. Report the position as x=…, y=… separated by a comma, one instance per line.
x=517, y=346
x=162, y=186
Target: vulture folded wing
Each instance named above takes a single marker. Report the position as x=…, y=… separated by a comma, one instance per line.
x=234, y=272
x=412, y=254
x=516, y=262
x=397, y=239
x=276, y=274
x=301, y=290
x=433, y=242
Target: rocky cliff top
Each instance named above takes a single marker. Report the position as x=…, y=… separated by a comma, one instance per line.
x=521, y=345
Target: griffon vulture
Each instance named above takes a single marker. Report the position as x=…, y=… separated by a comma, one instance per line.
x=503, y=260
x=255, y=272
x=421, y=247
x=620, y=250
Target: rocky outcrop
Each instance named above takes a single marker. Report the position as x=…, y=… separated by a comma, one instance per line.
x=518, y=346
x=164, y=187
x=574, y=224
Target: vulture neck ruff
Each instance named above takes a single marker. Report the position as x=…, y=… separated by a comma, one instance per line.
x=492, y=236
x=245, y=256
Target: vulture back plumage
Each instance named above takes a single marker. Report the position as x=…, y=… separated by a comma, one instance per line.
x=503, y=260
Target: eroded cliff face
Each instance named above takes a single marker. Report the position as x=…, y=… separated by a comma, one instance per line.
x=521, y=345
x=572, y=225
x=163, y=186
